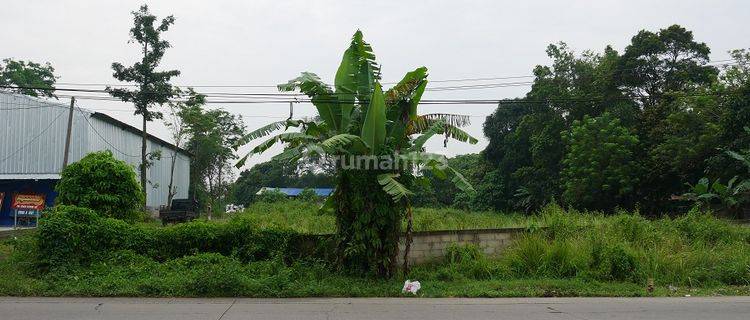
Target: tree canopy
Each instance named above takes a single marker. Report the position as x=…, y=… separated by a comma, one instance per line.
x=607, y=130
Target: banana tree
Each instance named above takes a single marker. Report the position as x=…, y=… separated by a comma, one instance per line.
x=357, y=119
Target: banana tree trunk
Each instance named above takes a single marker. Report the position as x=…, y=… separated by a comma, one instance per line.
x=368, y=224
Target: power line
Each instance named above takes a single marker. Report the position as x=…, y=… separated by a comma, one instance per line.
x=278, y=96
x=453, y=101
x=709, y=63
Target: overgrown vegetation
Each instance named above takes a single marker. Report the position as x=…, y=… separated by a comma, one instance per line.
x=563, y=253
x=303, y=217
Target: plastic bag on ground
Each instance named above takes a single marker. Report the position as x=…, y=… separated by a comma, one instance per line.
x=411, y=286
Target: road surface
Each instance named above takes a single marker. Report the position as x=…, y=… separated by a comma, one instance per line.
x=433, y=309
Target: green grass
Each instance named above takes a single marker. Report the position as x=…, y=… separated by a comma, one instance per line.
x=303, y=217
x=573, y=254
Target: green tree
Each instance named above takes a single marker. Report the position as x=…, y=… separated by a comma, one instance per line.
x=525, y=146
x=27, y=76
x=153, y=87
x=600, y=170
x=178, y=131
x=213, y=137
x=101, y=183
x=359, y=119
x=669, y=60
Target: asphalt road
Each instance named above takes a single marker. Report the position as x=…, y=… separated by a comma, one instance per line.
x=433, y=309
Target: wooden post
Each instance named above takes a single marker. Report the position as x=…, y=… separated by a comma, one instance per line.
x=70, y=130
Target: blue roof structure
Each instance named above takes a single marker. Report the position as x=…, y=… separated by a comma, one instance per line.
x=293, y=192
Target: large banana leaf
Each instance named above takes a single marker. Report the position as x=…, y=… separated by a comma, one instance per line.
x=436, y=128
x=392, y=187
x=373, y=128
x=456, y=120
x=332, y=144
x=422, y=124
x=321, y=95
x=296, y=137
x=268, y=129
x=408, y=91
x=346, y=84
x=308, y=83
x=460, y=181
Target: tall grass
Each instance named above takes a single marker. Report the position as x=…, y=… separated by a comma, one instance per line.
x=695, y=250
x=303, y=217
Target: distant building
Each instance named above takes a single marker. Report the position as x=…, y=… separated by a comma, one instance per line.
x=294, y=192
x=33, y=141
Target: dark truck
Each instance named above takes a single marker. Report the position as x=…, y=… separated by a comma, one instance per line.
x=181, y=210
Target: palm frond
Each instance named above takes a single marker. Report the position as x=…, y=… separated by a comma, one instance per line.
x=392, y=187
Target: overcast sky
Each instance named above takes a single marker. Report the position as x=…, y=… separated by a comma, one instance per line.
x=269, y=42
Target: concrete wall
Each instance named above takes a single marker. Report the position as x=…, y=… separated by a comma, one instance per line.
x=431, y=245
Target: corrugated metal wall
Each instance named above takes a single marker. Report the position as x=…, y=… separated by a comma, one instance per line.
x=34, y=138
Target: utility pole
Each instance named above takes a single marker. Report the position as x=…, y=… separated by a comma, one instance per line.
x=70, y=129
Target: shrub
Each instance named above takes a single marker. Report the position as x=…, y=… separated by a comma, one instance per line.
x=615, y=262
x=101, y=183
x=76, y=235
x=70, y=235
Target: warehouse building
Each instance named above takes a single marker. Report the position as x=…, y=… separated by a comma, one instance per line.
x=33, y=143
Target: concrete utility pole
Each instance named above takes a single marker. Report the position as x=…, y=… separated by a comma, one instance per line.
x=70, y=129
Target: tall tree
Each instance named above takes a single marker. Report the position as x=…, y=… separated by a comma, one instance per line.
x=669, y=60
x=28, y=78
x=214, y=135
x=179, y=131
x=154, y=87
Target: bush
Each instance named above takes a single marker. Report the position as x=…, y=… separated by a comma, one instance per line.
x=71, y=236
x=101, y=183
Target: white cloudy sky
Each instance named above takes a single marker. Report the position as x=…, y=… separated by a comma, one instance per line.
x=268, y=42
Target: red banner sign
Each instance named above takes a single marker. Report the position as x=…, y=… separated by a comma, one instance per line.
x=28, y=202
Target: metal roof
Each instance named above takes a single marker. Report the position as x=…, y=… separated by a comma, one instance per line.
x=34, y=137
x=107, y=118
x=293, y=192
